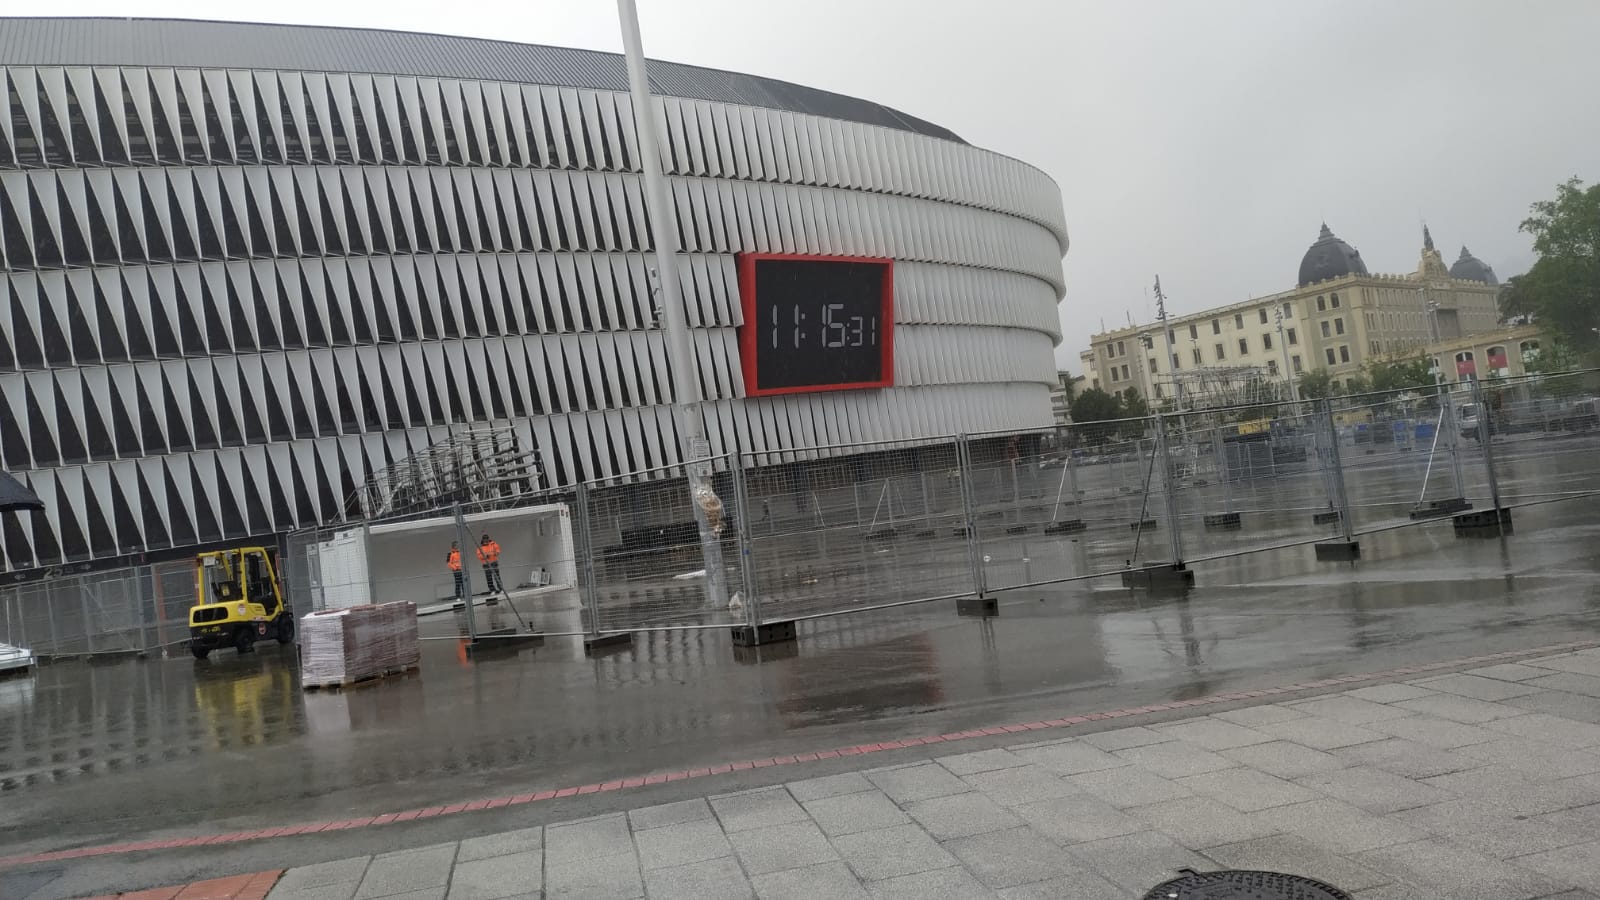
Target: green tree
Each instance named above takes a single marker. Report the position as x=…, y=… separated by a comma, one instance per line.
x=1357, y=384
x=1516, y=298
x=1564, y=284
x=1400, y=374
x=1134, y=411
x=1316, y=384
x=1091, y=407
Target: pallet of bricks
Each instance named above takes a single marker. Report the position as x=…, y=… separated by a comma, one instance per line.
x=344, y=647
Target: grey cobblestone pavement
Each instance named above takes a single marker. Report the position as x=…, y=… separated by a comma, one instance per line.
x=1480, y=785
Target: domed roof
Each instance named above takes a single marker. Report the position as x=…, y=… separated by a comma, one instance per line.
x=1329, y=258
x=1471, y=268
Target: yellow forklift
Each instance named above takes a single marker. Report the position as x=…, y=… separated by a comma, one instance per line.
x=241, y=602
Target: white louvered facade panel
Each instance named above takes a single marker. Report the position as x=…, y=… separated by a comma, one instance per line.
x=228, y=296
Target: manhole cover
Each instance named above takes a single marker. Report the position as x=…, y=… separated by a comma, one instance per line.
x=1242, y=884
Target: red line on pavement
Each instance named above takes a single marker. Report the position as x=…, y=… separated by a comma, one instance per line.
x=660, y=778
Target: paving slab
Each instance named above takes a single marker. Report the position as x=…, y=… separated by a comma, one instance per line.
x=1248, y=790
x=779, y=847
x=1350, y=710
x=606, y=836
x=340, y=871
x=1407, y=758
x=1461, y=709
x=695, y=810
x=1024, y=784
x=1557, y=730
x=409, y=870
x=1489, y=829
x=961, y=815
x=1577, y=864
x=712, y=879
x=1583, y=663
x=1509, y=672
x=954, y=883
x=1458, y=872
x=891, y=852
x=912, y=783
x=1389, y=693
x=830, y=786
x=1140, y=861
x=1571, y=682
x=498, y=877
x=1072, y=820
x=1374, y=790
x=981, y=761
x=522, y=840
x=681, y=844
x=1576, y=707
x=1002, y=859
x=1175, y=759
x=1478, y=687
x=1252, y=716
x=1285, y=759
x=1435, y=732
x=1320, y=733
x=833, y=880
x=1129, y=786
x=1071, y=758
x=1338, y=826
x=1201, y=822
x=757, y=809
x=593, y=878
x=1510, y=791
x=1534, y=759
x=1214, y=734
x=850, y=813
x=1123, y=738
x=1294, y=854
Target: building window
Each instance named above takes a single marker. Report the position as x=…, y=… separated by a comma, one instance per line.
x=1338, y=325
x=1158, y=392
x=1197, y=360
x=1244, y=347
x=1194, y=332
x=1322, y=304
x=1263, y=314
x=1374, y=346
x=1288, y=310
x=1325, y=332
x=1152, y=367
x=1266, y=342
x=1293, y=339
x=1272, y=367
x=1344, y=352
x=1171, y=339
x=1122, y=348
x=1220, y=354
x=1216, y=326
x=1238, y=321
x=1125, y=374
x=1295, y=361
x=1333, y=300
x=1175, y=365
x=1332, y=360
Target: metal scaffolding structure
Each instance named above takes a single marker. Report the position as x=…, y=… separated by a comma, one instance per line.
x=483, y=467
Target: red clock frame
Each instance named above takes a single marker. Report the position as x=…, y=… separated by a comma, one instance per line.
x=747, y=332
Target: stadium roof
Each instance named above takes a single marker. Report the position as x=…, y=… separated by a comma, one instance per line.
x=241, y=45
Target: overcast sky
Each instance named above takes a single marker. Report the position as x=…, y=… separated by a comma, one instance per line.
x=1204, y=140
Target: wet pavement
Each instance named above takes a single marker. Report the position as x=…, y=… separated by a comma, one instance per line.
x=110, y=750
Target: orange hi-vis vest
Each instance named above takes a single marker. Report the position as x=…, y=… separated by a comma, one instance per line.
x=454, y=560
x=490, y=552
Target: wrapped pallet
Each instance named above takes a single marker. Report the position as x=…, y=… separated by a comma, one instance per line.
x=340, y=647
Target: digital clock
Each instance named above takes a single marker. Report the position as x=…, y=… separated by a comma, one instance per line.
x=816, y=323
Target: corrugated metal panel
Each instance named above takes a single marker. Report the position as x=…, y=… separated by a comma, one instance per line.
x=185, y=42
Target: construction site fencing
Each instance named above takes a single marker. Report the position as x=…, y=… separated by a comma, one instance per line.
x=800, y=533
x=140, y=609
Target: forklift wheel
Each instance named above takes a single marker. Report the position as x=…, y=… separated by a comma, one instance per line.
x=244, y=640
x=199, y=651
x=286, y=629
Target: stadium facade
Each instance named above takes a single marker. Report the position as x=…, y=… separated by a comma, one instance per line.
x=247, y=267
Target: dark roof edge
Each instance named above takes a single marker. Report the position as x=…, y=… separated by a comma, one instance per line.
x=891, y=117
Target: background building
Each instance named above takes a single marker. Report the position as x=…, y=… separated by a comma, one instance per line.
x=1338, y=317
x=248, y=267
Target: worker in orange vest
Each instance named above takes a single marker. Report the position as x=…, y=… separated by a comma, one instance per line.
x=454, y=562
x=489, y=558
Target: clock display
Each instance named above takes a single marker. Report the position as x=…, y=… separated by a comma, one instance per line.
x=816, y=323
